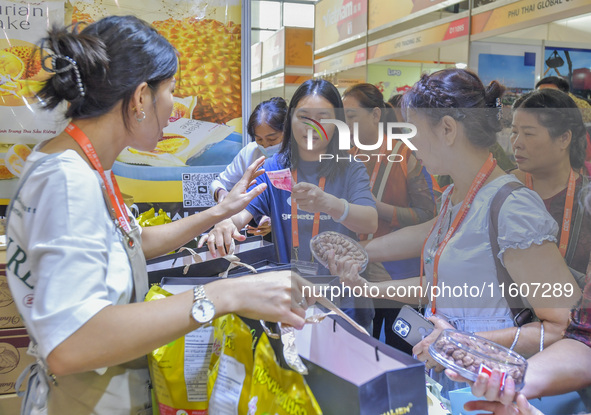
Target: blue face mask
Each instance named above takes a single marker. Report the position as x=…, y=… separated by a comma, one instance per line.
x=270, y=151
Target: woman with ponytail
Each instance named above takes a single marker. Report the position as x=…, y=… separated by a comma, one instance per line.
x=76, y=264
x=457, y=118
x=402, y=189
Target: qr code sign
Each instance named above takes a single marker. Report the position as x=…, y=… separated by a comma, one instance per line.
x=196, y=189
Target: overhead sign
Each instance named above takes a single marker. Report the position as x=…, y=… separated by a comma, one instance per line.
x=338, y=20
x=382, y=12
x=524, y=11
x=436, y=34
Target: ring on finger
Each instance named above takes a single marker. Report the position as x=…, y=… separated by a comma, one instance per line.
x=303, y=303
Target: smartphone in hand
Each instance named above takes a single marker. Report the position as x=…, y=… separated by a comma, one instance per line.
x=411, y=325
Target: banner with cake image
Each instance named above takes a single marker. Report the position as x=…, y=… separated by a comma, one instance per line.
x=23, y=122
x=205, y=127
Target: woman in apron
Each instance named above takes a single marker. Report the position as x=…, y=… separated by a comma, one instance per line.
x=76, y=259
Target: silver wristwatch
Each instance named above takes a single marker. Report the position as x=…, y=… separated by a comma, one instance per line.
x=203, y=310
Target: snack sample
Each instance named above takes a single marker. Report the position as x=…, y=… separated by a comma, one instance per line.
x=468, y=355
x=343, y=247
x=281, y=179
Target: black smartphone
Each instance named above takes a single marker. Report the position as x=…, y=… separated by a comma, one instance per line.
x=411, y=325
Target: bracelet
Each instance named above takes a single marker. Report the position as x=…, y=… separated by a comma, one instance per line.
x=541, y=336
x=516, y=338
x=215, y=194
x=345, y=213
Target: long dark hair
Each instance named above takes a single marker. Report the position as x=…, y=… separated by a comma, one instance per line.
x=558, y=113
x=460, y=94
x=370, y=97
x=113, y=57
x=288, y=156
x=271, y=112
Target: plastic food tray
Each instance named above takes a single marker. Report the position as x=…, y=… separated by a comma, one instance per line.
x=466, y=353
x=315, y=244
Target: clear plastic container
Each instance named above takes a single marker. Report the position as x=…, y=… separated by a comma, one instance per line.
x=341, y=244
x=466, y=353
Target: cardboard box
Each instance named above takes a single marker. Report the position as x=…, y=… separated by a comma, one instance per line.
x=9, y=315
x=10, y=404
x=13, y=358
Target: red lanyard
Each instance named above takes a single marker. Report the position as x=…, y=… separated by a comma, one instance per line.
x=484, y=173
x=374, y=175
x=114, y=192
x=376, y=167
x=568, y=208
x=295, y=236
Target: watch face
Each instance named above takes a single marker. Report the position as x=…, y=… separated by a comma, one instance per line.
x=203, y=311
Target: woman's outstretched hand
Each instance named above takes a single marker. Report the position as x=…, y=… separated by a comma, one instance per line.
x=239, y=197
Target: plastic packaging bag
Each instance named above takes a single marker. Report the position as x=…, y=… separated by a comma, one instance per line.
x=180, y=369
x=231, y=367
x=275, y=390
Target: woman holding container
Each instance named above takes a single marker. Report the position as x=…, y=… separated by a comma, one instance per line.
x=456, y=119
x=327, y=195
x=403, y=192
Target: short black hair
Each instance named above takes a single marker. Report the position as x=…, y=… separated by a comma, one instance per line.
x=557, y=112
x=271, y=112
x=561, y=83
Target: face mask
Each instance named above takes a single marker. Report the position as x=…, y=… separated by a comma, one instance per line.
x=270, y=151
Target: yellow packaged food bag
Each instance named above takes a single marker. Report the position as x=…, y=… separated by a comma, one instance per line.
x=278, y=391
x=231, y=369
x=149, y=218
x=180, y=369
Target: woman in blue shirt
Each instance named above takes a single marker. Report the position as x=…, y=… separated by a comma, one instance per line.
x=334, y=192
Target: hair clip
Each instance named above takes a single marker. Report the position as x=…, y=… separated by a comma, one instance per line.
x=72, y=65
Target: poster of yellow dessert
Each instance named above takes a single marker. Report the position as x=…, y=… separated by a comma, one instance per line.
x=22, y=24
x=208, y=97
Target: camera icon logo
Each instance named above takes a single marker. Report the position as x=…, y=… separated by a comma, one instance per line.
x=401, y=327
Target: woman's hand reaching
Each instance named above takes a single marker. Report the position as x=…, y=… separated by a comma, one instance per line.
x=239, y=197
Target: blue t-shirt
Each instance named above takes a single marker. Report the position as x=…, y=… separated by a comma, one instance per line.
x=352, y=184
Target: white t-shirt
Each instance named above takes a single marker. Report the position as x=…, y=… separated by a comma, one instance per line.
x=467, y=261
x=65, y=260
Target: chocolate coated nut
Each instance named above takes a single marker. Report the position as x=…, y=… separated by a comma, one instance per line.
x=467, y=361
x=448, y=349
x=458, y=354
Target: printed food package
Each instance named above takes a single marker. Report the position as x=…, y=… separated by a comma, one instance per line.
x=183, y=139
x=23, y=24
x=180, y=369
x=149, y=218
x=275, y=390
x=231, y=367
